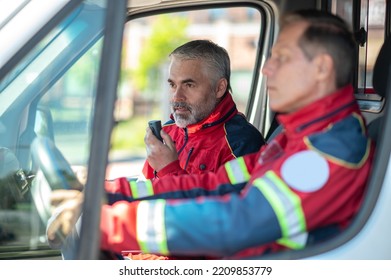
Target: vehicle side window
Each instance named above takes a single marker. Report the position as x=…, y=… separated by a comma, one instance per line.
x=51, y=92
x=369, y=29
x=69, y=104
x=144, y=90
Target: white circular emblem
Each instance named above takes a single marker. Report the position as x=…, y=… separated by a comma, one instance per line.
x=305, y=171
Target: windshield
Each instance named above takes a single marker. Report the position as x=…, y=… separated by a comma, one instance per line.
x=24, y=18
x=51, y=93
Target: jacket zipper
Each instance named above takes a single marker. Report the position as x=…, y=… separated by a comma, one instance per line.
x=184, y=143
x=188, y=158
x=183, y=146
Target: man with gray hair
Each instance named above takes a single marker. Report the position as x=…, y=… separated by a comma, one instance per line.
x=205, y=128
x=307, y=184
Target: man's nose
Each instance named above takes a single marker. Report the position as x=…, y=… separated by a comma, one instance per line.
x=267, y=68
x=178, y=94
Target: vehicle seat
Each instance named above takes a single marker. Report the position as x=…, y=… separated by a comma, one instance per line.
x=380, y=76
x=274, y=130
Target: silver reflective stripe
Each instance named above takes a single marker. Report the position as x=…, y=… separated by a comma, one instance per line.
x=141, y=189
x=151, y=232
x=237, y=171
x=285, y=203
x=294, y=242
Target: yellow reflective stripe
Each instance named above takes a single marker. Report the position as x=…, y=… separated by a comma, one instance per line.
x=293, y=197
x=237, y=171
x=133, y=188
x=141, y=189
x=275, y=202
x=286, y=205
x=151, y=232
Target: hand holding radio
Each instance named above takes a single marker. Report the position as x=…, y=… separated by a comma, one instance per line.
x=156, y=126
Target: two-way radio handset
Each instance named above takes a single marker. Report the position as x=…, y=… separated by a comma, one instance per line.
x=156, y=126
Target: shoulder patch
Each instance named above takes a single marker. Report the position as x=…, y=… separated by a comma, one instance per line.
x=345, y=141
x=306, y=171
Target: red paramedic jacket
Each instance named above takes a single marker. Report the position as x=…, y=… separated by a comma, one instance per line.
x=311, y=176
x=224, y=135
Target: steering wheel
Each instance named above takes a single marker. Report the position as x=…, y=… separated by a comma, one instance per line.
x=54, y=172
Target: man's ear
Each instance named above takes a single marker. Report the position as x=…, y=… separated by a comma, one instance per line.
x=221, y=87
x=324, y=66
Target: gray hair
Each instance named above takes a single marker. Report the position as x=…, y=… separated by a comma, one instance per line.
x=215, y=57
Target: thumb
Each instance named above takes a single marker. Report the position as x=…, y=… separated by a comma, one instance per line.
x=168, y=140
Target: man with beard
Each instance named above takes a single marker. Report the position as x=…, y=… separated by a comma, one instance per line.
x=307, y=184
x=205, y=130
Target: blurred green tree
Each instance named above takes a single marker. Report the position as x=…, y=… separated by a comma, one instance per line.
x=167, y=33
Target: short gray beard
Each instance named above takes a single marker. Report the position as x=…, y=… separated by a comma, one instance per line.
x=197, y=113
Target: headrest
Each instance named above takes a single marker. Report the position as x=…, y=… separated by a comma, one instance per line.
x=382, y=68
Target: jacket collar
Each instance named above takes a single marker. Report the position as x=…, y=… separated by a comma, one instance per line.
x=320, y=113
x=224, y=111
